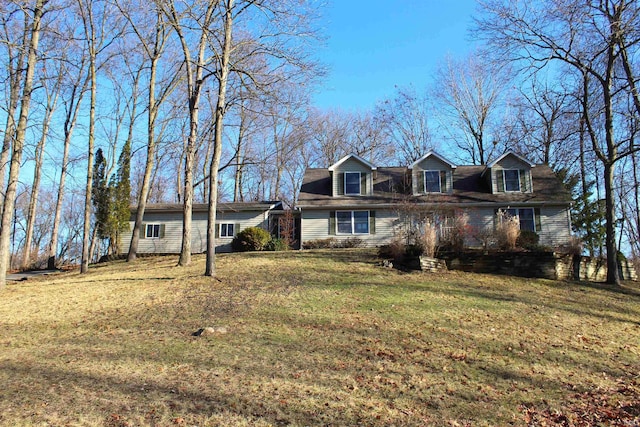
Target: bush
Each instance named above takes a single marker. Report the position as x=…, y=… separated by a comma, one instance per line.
x=528, y=240
x=277, y=245
x=331, y=243
x=507, y=230
x=251, y=239
x=351, y=242
x=394, y=250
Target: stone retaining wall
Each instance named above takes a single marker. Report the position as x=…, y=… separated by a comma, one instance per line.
x=546, y=265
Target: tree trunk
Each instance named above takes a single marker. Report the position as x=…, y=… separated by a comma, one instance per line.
x=18, y=143
x=148, y=167
x=210, y=269
x=86, y=235
x=37, y=173
x=613, y=278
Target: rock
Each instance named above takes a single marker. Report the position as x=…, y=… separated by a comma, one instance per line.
x=211, y=330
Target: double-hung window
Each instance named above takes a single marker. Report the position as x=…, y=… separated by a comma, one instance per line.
x=526, y=217
x=511, y=179
x=352, y=222
x=432, y=183
x=352, y=183
x=226, y=230
x=152, y=231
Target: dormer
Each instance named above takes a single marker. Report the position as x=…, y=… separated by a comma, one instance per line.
x=510, y=173
x=432, y=174
x=352, y=176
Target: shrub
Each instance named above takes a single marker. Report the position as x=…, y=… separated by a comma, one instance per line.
x=428, y=239
x=251, y=239
x=528, y=240
x=277, y=245
x=320, y=243
x=414, y=250
x=351, y=242
x=394, y=250
x=507, y=230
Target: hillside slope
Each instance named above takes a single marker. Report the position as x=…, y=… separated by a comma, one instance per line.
x=315, y=338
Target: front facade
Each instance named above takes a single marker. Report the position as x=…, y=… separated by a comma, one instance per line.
x=354, y=198
x=161, y=231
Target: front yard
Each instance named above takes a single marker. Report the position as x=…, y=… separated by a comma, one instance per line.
x=315, y=338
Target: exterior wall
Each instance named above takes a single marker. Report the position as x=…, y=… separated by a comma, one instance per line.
x=351, y=165
x=432, y=164
x=554, y=220
x=315, y=226
x=171, y=242
x=555, y=225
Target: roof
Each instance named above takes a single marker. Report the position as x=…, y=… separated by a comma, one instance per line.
x=221, y=206
x=352, y=156
x=393, y=185
x=511, y=153
x=437, y=156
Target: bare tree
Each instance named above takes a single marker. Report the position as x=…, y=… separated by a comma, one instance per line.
x=33, y=16
x=600, y=41
x=404, y=120
x=468, y=94
x=52, y=93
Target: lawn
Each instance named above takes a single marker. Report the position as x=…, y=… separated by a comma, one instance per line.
x=315, y=338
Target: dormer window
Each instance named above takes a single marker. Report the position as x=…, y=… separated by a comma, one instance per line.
x=351, y=183
x=432, y=182
x=511, y=179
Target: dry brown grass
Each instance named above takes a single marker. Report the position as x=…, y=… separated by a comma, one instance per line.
x=315, y=338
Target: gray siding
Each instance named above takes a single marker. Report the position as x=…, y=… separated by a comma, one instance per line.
x=171, y=242
x=315, y=225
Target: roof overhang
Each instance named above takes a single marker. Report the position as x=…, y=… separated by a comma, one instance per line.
x=352, y=156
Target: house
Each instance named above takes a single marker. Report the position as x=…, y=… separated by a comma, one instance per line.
x=161, y=231
x=354, y=198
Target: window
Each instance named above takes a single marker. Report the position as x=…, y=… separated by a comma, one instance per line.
x=152, y=231
x=352, y=222
x=526, y=217
x=226, y=230
x=432, y=183
x=511, y=179
x=352, y=183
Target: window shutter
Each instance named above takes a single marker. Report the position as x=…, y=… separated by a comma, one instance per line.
x=332, y=222
x=443, y=181
x=143, y=231
x=363, y=184
x=236, y=228
x=217, y=230
x=524, y=184
x=340, y=183
x=161, y=231
x=538, y=219
x=372, y=222
x=500, y=181
x=420, y=189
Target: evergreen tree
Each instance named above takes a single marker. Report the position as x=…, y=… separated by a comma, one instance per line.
x=121, y=198
x=100, y=195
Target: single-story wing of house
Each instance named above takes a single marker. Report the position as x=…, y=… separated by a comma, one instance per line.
x=161, y=231
x=354, y=198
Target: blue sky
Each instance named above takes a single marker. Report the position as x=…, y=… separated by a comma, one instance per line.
x=375, y=45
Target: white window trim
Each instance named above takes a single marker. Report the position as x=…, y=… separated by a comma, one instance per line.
x=353, y=224
x=359, y=183
x=504, y=181
x=439, y=180
x=151, y=226
x=227, y=224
